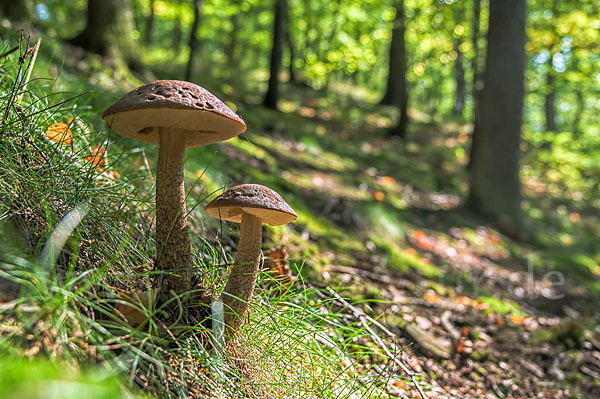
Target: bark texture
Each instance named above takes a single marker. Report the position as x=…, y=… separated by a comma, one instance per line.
x=549, y=100
x=276, y=54
x=193, y=42
x=459, y=76
x=17, y=10
x=396, y=81
x=172, y=240
x=240, y=286
x=149, y=24
x=476, y=84
x=397, y=91
x=495, y=185
x=109, y=29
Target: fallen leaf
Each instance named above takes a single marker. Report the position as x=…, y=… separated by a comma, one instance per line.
x=499, y=322
x=276, y=263
x=517, y=319
x=133, y=304
x=423, y=244
x=60, y=133
x=399, y=384
x=431, y=297
x=464, y=300
x=387, y=181
x=495, y=239
x=98, y=158
x=410, y=251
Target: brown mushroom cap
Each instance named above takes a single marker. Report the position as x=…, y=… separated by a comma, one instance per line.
x=173, y=104
x=254, y=199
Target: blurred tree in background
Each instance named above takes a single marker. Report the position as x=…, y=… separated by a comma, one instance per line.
x=396, y=92
x=279, y=16
x=17, y=10
x=495, y=186
x=109, y=29
x=347, y=51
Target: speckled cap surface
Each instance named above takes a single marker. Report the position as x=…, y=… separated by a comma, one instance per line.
x=254, y=199
x=173, y=104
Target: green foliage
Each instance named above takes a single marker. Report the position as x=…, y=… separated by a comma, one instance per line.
x=45, y=379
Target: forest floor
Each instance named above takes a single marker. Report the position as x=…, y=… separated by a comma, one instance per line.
x=474, y=313
x=479, y=314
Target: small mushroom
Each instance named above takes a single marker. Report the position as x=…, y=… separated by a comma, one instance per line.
x=251, y=205
x=174, y=115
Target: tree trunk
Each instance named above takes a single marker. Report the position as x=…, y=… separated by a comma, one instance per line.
x=549, y=99
x=109, y=30
x=396, y=80
x=149, y=24
x=276, y=55
x=17, y=10
x=291, y=48
x=397, y=91
x=193, y=42
x=177, y=34
x=580, y=108
x=233, y=39
x=459, y=76
x=476, y=85
x=495, y=185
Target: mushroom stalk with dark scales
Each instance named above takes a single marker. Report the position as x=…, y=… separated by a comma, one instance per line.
x=251, y=205
x=174, y=115
x=173, y=250
x=244, y=272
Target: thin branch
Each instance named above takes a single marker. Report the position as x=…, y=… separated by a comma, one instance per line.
x=365, y=319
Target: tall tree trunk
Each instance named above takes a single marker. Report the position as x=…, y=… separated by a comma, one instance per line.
x=233, y=39
x=149, y=24
x=276, y=55
x=397, y=91
x=109, y=30
x=177, y=34
x=549, y=99
x=549, y=110
x=495, y=186
x=17, y=10
x=193, y=42
x=396, y=81
x=459, y=76
x=580, y=108
x=290, y=43
x=476, y=84
x=291, y=47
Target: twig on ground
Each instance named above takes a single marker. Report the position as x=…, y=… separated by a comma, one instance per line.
x=365, y=319
x=378, y=277
x=447, y=323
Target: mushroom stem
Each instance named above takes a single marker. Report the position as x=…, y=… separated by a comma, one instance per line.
x=240, y=286
x=173, y=243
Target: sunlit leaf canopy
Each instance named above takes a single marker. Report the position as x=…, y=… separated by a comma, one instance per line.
x=343, y=45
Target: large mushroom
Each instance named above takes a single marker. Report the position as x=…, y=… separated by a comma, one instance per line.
x=251, y=205
x=174, y=115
